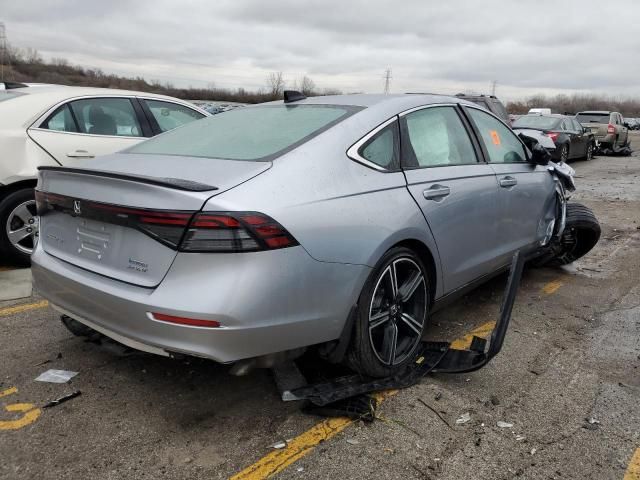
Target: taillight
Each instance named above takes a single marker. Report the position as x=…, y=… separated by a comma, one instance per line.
x=180, y=230
x=611, y=129
x=553, y=136
x=235, y=232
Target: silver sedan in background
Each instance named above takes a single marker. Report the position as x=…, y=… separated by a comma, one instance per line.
x=325, y=221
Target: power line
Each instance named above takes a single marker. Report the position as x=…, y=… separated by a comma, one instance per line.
x=387, y=80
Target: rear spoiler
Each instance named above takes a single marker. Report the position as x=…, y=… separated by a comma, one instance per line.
x=174, y=183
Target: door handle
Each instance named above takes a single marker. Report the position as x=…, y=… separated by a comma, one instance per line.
x=436, y=192
x=80, y=154
x=507, y=182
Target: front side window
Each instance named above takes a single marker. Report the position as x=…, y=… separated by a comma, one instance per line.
x=61, y=121
x=436, y=137
x=383, y=148
x=107, y=116
x=501, y=143
x=171, y=115
x=252, y=133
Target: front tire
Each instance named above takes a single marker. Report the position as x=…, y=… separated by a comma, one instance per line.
x=19, y=226
x=393, y=310
x=590, y=149
x=581, y=234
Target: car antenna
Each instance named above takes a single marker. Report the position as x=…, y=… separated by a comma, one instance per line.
x=293, y=96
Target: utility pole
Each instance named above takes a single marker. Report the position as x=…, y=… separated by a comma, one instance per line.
x=493, y=87
x=387, y=80
x=3, y=50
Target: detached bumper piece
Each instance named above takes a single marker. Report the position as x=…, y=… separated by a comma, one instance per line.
x=349, y=395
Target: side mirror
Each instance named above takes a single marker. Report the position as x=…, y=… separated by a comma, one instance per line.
x=540, y=155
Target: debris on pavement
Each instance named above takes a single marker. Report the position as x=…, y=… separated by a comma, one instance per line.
x=352, y=441
x=464, y=418
x=62, y=399
x=591, y=424
x=56, y=376
x=520, y=438
x=435, y=412
x=502, y=424
x=279, y=445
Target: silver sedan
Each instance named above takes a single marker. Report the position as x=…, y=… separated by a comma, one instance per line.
x=336, y=222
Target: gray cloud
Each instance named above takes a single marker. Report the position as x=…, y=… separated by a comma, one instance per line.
x=528, y=47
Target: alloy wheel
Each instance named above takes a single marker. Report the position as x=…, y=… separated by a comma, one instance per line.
x=590, y=152
x=564, y=153
x=23, y=227
x=398, y=311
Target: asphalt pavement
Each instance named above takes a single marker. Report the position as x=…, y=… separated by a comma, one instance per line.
x=562, y=400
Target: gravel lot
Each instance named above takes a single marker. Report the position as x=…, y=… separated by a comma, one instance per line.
x=571, y=356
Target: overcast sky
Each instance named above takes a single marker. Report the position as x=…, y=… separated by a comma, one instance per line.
x=558, y=46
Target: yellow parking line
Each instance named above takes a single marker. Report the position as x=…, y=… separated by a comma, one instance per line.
x=5, y=312
x=552, y=287
x=8, y=391
x=276, y=461
x=633, y=470
x=483, y=331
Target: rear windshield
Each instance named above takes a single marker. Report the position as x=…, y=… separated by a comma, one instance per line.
x=536, y=121
x=250, y=133
x=593, y=117
x=4, y=95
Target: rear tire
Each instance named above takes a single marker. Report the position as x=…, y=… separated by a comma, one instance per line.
x=581, y=234
x=393, y=310
x=18, y=217
x=564, y=153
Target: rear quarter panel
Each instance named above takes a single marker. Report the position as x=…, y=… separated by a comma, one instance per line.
x=339, y=210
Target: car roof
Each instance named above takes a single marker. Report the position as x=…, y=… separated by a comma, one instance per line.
x=401, y=100
x=547, y=115
x=62, y=92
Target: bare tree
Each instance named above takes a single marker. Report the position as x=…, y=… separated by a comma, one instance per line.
x=275, y=84
x=306, y=86
x=32, y=56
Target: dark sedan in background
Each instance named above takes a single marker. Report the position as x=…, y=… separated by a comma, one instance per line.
x=570, y=138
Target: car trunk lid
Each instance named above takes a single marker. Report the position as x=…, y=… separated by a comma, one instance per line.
x=122, y=222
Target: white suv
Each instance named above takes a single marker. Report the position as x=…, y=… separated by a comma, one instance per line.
x=57, y=125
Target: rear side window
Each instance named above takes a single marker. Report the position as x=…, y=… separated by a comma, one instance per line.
x=107, y=116
x=251, y=133
x=171, y=115
x=501, y=143
x=383, y=148
x=61, y=121
x=436, y=137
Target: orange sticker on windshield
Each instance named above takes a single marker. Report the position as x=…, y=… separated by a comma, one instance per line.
x=495, y=137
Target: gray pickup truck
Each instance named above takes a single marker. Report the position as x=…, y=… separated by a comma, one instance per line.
x=608, y=128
